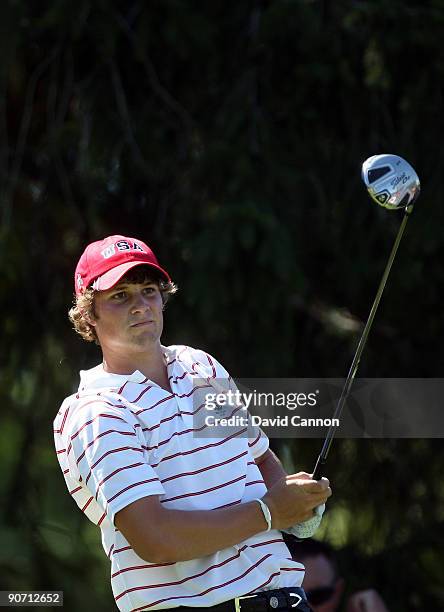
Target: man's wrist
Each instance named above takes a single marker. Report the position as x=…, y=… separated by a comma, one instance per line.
x=265, y=511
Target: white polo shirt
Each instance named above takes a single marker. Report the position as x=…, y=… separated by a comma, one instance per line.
x=121, y=438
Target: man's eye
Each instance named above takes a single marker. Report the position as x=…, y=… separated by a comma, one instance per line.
x=149, y=290
x=119, y=296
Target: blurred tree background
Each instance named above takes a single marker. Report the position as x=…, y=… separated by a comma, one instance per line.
x=230, y=137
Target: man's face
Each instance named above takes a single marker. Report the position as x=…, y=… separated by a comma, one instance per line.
x=129, y=317
x=323, y=588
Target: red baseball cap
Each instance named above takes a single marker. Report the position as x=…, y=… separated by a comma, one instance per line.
x=103, y=263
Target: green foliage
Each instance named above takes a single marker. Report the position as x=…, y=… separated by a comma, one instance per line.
x=230, y=137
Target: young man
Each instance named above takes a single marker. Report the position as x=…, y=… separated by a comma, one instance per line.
x=185, y=521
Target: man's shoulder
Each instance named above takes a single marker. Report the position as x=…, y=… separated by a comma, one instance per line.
x=86, y=406
x=189, y=355
x=197, y=361
x=183, y=352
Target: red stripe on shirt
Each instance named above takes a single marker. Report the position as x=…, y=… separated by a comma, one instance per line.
x=264, y=583
x=275, y=541
x=213, y=588
x=183, y=375
x=193, y=450
x=170, y=378
x=192, y=391
x=177, y=414
x=146, y=566
x=165, y=420
x=181, y=433
x=118, y=550
x=176, y=433
x=121, y=469
x=210, y=361
x=193, y=576
x=141, y=394
x=113, y=450
x=271, y=578
x=99, y=401
x=87, y=504
x=131, y=486
x=104, y=433
x=107, y=416
x=119, y=392
x=203, y=491
x=164, y=399
x=60, y=431
x=193, y=412
x=255, y=441
x=204, y=469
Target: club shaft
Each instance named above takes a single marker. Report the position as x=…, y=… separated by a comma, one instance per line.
x=322, y=458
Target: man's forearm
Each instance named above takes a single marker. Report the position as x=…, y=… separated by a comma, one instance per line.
x=206, y=532
x=182, y=535
x=210, y=531
x=165, y=535
x=271, y=469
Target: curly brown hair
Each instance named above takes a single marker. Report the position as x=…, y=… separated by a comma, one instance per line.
x=83, y=307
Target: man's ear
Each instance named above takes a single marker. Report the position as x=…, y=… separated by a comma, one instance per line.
x=91, y=320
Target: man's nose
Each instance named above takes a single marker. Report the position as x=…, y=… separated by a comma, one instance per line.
x=140, y=303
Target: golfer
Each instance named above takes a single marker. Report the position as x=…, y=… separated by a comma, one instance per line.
x=185, y=521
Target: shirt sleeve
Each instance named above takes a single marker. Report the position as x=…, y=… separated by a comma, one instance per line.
x=106, y=454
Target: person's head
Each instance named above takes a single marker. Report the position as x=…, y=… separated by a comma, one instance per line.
x=322, y=583
x=118, y=281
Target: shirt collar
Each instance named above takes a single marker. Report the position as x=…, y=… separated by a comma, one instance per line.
x=98, y=377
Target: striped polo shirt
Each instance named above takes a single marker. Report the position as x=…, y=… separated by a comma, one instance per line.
x=121, y=438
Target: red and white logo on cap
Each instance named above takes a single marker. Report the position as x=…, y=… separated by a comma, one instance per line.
x=121, y=245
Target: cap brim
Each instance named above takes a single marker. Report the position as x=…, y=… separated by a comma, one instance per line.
x=112, y=277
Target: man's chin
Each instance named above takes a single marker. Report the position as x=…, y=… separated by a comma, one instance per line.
x=147, y=339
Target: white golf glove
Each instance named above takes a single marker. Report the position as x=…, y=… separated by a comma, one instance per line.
x=308, y=527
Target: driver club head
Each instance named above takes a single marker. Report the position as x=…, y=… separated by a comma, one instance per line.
x=391, y=181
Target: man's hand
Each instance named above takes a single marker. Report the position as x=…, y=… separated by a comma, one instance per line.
x=366, y=601
x=292, y=499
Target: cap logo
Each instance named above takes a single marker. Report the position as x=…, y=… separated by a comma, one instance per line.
x=79, y=281
x=121, y=245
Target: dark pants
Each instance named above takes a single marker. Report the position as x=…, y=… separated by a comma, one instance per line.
x=279, y=600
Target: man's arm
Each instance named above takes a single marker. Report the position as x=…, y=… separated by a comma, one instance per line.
x=163, y=535
x=270, y=467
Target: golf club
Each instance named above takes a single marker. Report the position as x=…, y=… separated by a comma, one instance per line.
x=392, y=183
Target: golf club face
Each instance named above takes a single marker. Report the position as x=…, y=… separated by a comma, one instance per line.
x=391, y=181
